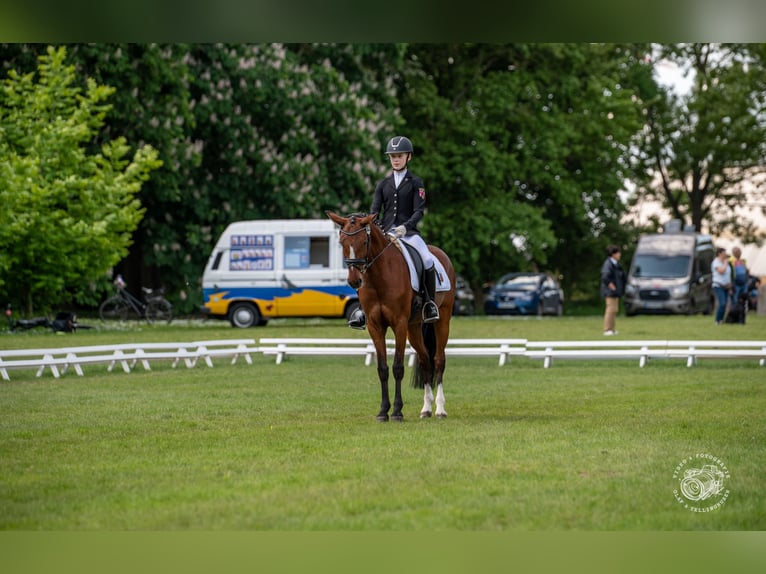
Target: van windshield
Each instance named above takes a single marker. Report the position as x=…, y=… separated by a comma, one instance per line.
x=664, y=267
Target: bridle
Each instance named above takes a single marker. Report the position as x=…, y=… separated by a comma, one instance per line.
x=358, y=263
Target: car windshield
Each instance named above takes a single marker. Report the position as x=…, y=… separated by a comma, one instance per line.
x=664, y=267
x=520, y=282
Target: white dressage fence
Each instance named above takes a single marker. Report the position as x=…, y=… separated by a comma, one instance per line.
x=548, y=351
x=128, y=356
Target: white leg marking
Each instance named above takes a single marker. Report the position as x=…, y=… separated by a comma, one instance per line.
x=440, y=412
x=428, y=397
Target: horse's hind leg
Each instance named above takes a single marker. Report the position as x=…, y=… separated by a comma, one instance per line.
x=438, y=375
x=428, y=399
x=440, y=362
x=440, y=412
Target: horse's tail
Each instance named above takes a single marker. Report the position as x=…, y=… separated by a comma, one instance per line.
x=429, y=338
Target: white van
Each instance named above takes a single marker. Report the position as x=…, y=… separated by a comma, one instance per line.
x=671, y=273
x=260, y=270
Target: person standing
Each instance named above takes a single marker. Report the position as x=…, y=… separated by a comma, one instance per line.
x=739, y=274
x=612, y=287
x=400, y=200
x=721, y=282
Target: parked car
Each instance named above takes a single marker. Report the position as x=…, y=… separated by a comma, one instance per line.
x=525, y=294
x=464, y=298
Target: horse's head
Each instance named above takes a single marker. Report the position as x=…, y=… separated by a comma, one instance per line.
x=355, y=232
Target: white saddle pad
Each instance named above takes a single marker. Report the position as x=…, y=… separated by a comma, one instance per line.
x=442, y=280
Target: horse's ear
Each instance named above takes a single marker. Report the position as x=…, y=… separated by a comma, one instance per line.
x=369, y=219
x=336, y=218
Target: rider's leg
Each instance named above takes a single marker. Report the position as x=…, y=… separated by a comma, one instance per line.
x=430, y=310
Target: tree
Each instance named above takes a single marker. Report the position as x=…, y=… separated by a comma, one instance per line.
x=67, y=214
x=524, y=151
x=282, y=132
x=702, y=149
x=245, y=131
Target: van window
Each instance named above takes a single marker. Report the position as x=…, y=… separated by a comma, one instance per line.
x=251, y=253
x=217, y=260
x=653, y=265
x=303, y=252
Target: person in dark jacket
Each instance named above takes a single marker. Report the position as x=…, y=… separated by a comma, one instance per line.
x=400, y=200
x=612, y=287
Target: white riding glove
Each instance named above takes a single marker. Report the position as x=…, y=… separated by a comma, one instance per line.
x=400, y=231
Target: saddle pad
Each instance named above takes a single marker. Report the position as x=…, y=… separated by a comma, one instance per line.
x=442, y=280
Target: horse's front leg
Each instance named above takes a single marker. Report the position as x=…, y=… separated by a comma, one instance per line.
x=400, y=336
x=379, y=340
x=398, y=369
x=385, y=402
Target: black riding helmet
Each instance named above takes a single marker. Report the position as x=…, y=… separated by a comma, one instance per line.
x=399, y=144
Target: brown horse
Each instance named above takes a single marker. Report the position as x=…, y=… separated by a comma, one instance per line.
x=379, y=272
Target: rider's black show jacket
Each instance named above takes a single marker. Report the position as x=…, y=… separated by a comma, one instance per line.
x=404, y=205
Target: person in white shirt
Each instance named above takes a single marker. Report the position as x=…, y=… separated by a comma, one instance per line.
x=721, y=282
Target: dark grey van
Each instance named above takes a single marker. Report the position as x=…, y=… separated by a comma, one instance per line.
x=670, y=273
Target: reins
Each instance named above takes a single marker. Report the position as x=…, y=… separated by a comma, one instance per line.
x=362, y=265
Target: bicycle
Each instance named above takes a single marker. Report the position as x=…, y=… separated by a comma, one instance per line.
x=154, y=306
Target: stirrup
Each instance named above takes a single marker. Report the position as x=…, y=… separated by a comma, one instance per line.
x=358, y=321
x=430, y=312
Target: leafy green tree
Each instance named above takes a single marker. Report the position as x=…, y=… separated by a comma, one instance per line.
x=523, y=149
x=702, y=149
x=244, y=131
x=67, y=214
x=151, y=104
x=281, y=132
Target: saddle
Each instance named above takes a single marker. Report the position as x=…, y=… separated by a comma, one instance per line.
x=419, y=268
x=417, y=262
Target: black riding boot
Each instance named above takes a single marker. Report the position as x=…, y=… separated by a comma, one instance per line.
x=430, y=310
x=358, y=320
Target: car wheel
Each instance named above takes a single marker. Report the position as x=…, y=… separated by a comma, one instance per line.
x=244, y=315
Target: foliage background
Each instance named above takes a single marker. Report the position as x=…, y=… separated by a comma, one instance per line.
x=528, y=150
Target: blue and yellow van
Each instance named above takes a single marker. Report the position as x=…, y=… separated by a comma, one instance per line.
x=261, y=270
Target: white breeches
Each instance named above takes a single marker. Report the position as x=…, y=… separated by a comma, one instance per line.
x=417, y=242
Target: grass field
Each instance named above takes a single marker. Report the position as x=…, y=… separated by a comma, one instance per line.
x=586, y=445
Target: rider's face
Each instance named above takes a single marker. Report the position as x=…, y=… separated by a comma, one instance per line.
x=398, y=160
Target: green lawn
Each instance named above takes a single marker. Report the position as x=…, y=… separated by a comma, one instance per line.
x=585, y=445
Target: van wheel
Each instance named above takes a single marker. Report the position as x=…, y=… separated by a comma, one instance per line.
x=244, y=315
x=351, y=309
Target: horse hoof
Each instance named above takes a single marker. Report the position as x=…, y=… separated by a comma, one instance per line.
x=425, y=415
x=441, y=415
x=397, y=418
x=382, y=418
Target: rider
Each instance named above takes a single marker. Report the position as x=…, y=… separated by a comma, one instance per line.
x=402, y=198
